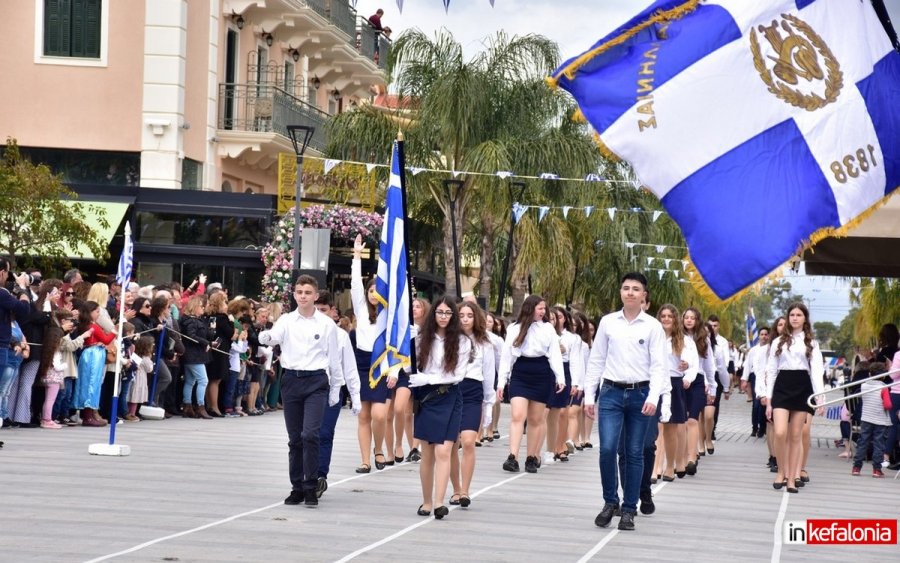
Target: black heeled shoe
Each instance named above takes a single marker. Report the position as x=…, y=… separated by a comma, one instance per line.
x=799, y=483
x=680, y=474
x=804, y=479
x=669, y=479
x=778, y=485
x=422, y=512
x=691, y=468
x=440, y=512
x=465, y=501
x=379, y=464
x=793, y=490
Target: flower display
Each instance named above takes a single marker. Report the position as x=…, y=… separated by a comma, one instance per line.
x=345, y=223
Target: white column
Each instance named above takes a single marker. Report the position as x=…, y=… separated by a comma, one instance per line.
x=165, y=54
x=211, y=179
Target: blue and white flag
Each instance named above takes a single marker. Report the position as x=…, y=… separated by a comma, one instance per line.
x=126, y=260
x=762, y=126
x=391, y=350
x=752, y=332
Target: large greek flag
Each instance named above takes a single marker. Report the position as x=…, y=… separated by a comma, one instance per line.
x=763, y=126
x=391, y=349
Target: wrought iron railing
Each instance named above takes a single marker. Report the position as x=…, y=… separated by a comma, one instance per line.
x=384, y=49
x=265, y=108
x=319, y=6
x=343, y=17
x=366, y=38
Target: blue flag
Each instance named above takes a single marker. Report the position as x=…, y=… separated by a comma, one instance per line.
x=126, y=260
x=391, y=350
x=752, y=332
x=763, y=127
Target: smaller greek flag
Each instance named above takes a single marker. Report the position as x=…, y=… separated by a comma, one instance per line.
x=752, y=332
x=391, y=351
x=126, y=260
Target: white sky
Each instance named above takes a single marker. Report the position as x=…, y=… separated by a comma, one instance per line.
x=575, y=25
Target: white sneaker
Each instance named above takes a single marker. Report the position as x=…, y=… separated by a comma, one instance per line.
x=547, y=458
x=885, y=463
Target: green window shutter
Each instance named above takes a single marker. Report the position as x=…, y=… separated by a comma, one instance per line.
x=53, y=28
x=92, y=28
x=78, y=24
x=65, y=28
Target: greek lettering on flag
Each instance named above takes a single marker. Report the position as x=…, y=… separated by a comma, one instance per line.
x=126, y=260
x=391, y=351
x=752, y=332
x=762, y=126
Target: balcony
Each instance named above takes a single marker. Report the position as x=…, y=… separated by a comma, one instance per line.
x=265, y=108
x=343, y=17
x=372, y=44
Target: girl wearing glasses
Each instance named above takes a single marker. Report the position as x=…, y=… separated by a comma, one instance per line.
x=442, y=354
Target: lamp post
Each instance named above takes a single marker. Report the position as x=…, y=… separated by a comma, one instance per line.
x=300, y=136
x=452, y=197
x=509, y=245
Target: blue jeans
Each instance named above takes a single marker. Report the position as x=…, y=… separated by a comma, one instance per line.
x=231, y=379
x=123, y=396
x=64, y=400
x=195, y=373
x=649, y=454
x=326, y=435
x=875, y=434
x=8, y=375
x=619, y=416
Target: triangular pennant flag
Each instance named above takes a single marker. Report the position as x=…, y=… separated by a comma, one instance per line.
x=593, y=178
x=667, y=260
x=636, y=184
x=660, y=272
x=549, y=176
x=370, y=167
x=492, y=3
x=330, y=164
x=656, y=215
x=413, y=170
x=660, y=248
x=353, y=3
x=518, y=210
x=856, y=291
x=504, y=174
x=629, y=245
x=455, y=173
x=566, y=209
x=649, y=260
x=684, y=264
x=542, y=212
x=400, y=6
x=587, y=210
x=446, y=6
x=612, y=213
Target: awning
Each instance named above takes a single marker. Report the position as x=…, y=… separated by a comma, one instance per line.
x=115, y=212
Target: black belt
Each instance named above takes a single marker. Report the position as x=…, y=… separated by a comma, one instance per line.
x=304, y=373
x=627, y=386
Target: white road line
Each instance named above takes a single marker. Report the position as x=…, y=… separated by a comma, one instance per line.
x=408, y=529
x=609, y=537
x=779, y=524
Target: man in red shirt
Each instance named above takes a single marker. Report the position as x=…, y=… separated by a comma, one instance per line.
x=375, y=19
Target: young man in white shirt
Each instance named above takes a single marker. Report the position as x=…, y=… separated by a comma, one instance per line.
x=755, y=367
x=309, y=347
x=627, y=365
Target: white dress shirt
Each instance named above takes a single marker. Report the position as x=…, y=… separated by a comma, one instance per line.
x=366, y=331
x=497, y=343
x=349, y=373
x=540, y=340
x=571, y=352
x=688, y=355
x=707, y=367
x=481, y=368
x=307, y=343
x=750, y=362
x=627, y=352
x=793, y=357
x=760, y=360
x=722, y=354
x=434, y=373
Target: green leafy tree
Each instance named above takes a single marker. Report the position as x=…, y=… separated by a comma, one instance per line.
x=825, y=331
x=35, y=221
x=844, y=339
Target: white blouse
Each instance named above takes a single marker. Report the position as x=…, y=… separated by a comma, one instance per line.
x=572, y=353
x=481, y=368
x=707, y=366
x=688, y=354
x=793, y=357
x=541, y=340
x=497, y=343
x=434, y=373
x=366, y=331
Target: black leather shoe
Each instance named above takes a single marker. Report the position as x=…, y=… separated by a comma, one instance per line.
x=321, y=487
x=465, y=501
x=691, y=468
x=793, y=490
x=511, y=464
x=531, y=464
x=422, y=512
x=799, y=483
x=606, y=515
x=626, y=522
x=296, y=497
x=413, y=455
x=440, y=512
x=647, y=506
x=454, y=501
x=310, y=499
x=778, y=486
x=379, y=465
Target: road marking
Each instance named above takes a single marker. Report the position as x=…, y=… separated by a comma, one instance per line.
x=779, y=523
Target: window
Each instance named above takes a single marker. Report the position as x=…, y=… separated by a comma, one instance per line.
x=72, y=28
x=201, y=230
x=191, y=174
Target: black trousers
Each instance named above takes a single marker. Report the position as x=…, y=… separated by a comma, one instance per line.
x=304, y=398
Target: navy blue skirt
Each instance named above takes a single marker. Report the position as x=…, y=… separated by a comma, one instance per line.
x=561, y=400
x=532, y=379
x=438, y=418
x=678, y=405
x=695, y=397
x=402, y=381
x=472, y=392
x=366, y=393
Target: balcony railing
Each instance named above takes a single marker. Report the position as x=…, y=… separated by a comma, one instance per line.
x=265, y=108
x=343, y=17
x=372, y=44
x=319, y=6
x=384, y=49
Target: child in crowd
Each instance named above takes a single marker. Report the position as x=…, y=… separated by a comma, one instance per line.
x=875, y=422
x=238, y=348
x=142, y=360
x=70, y=346
x=128, y=368
x=54, y=364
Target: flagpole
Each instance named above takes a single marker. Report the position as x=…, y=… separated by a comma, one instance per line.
x=111, y=448
x=401, y=157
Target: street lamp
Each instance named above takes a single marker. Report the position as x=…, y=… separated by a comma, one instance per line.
x=300, y=136
x=513, y=197
x=453, y=197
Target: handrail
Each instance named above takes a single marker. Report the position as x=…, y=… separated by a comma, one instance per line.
x=811, y=400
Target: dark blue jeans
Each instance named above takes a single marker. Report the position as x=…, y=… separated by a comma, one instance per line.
x=304, y=397
x=649, y=454
x=63, y=404
x=231, y=379
x=757, y=411
x=619, y=416
x=326, y=435
x=876, y=435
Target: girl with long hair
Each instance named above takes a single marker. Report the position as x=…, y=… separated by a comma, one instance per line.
x=91, y=364
x=442, y=357
x=142, y=360
x=571, y=346
x=702, y=390
x=586, y=330
x=373, y=417
x=54, y=364
x=793, y=373
x=403, y=425
x=218, y=369
x=497, y=333
x=532, y=363
x=760, y=390
x=477, y=391
x=197, y=339
x=682, y=364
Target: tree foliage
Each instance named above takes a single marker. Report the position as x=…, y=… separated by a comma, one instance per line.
x=35, y=219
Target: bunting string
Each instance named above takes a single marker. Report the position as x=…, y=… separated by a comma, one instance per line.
x=519, y=211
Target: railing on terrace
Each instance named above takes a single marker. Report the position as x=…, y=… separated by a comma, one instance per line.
x=384, y=49
x=343, y=17
x=319, y=6
x=265, y=108
x=372, y=44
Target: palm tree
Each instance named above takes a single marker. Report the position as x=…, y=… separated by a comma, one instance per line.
x=879, y=303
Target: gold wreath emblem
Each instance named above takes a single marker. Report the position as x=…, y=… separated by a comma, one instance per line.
x=797, y=59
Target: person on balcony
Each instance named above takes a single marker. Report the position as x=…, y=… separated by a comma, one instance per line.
x=375, y=20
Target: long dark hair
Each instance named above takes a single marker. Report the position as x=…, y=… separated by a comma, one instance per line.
x=84, y=316
x=699, y=335
x=479, y=330
x=373, y=310
x=526, y=317
x=451, y=337
x=787, y=335
x=583, y=329
x=44, y=290
x=52, y=336
x=677, y=330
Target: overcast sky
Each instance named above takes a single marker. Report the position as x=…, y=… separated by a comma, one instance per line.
x=575, y=25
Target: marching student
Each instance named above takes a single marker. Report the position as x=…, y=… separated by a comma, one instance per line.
x=629, y=358
x=723, y=382
x=421, y=307
x=749, y=379
x=373, y=417
x=442, y=354
x=557, y=403
x=350, y=378
x=572, y=356
x=586, y=331
x=703, y=390
x=793, y=373
x=497, y=333
x=761, y=388
x=477, y=391
x=532, y=364
x=309, y=347
x=682, y=363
